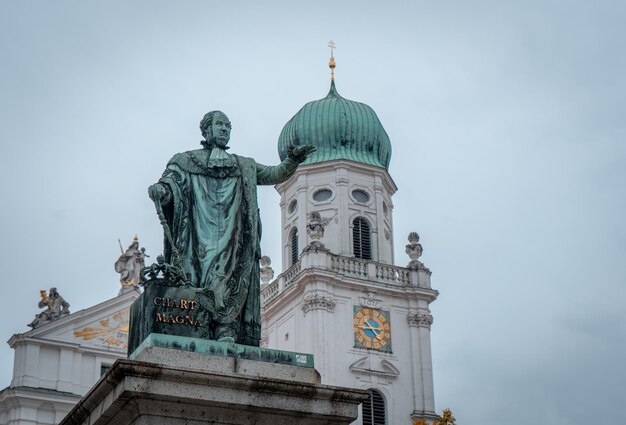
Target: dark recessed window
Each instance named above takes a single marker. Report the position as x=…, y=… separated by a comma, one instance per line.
x=374, y=409
x=294, y=246
x=104, y=368
x=385, y=209
x=322, y=195
x=360, y=196
x=361, y=240
x=293, y=206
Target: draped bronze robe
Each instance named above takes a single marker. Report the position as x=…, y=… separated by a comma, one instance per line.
x=214, y=219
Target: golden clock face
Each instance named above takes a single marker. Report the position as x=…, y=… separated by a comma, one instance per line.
x=372, y=329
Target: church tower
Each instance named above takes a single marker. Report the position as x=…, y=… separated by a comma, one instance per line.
x=340, y=296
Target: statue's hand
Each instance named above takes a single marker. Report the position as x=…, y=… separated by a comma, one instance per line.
x=300, y=153
x=158, y=192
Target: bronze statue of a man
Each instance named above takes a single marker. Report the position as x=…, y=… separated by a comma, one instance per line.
x=209, y=200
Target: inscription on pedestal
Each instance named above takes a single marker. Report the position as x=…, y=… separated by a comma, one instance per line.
x=176, y=312
x=168, y=310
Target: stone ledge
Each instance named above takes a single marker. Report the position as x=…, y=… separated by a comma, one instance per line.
x=223, y=349
x=137, y=393
x=227, y=365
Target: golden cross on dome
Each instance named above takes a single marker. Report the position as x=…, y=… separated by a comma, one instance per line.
x=331, y=63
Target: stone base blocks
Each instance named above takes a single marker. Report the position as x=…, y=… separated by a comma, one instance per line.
x=168, y=386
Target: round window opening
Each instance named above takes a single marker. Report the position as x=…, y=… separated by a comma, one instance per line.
x=322, y=195
x=293, y=206
x=360, y=196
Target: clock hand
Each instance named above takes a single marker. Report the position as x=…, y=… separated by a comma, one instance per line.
x=375, y=331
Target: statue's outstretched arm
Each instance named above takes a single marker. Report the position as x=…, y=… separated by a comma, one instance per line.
x=279, y=173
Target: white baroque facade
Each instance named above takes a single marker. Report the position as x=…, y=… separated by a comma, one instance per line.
x=57, y=363
x=366, y=321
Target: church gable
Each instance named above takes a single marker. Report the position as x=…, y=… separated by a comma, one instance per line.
x=111, y=331
x=104, y=325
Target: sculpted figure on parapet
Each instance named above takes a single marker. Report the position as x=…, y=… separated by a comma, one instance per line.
x=207, y=203
x=130, y=263
x=55, y=307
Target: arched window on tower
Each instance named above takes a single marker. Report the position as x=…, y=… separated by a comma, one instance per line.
x=374, y=411
x=361, y=241
x=294, y=246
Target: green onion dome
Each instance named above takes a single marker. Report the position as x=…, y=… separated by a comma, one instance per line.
x=340, y=129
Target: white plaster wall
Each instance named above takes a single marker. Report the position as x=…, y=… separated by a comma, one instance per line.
x=342, y=178
x=61, y=368
x=329, y=336
x=50, y=365
x=21, y=407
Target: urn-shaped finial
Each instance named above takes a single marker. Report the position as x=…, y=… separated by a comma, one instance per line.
x=266, y=272
x=414, y=251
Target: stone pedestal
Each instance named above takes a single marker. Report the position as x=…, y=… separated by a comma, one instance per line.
x=174, y=387
x=168, y=310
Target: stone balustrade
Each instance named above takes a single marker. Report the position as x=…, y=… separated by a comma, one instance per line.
x=282, y=282
x=393, y=274
x=347, y=266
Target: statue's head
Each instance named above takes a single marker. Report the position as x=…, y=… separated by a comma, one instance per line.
x=215, y=128
x=53, y=292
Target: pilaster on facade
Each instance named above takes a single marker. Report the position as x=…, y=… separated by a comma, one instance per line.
x=423, y=390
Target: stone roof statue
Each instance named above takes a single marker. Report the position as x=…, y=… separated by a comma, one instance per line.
x=315, y=230
x=130, y=263
x=55, y=307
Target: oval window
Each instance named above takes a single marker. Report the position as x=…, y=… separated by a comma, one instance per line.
x=322, y=195
x=293, y=206
x=360, y=196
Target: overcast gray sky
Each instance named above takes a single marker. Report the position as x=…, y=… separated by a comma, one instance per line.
x=507, y=120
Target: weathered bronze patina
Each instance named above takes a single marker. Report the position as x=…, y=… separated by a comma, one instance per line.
x=207, y=201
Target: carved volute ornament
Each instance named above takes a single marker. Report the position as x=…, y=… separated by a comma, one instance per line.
x=55, y=307
x=318, y=302
x=423, y=320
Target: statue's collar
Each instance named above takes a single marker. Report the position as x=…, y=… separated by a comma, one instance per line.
x=211, y=145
